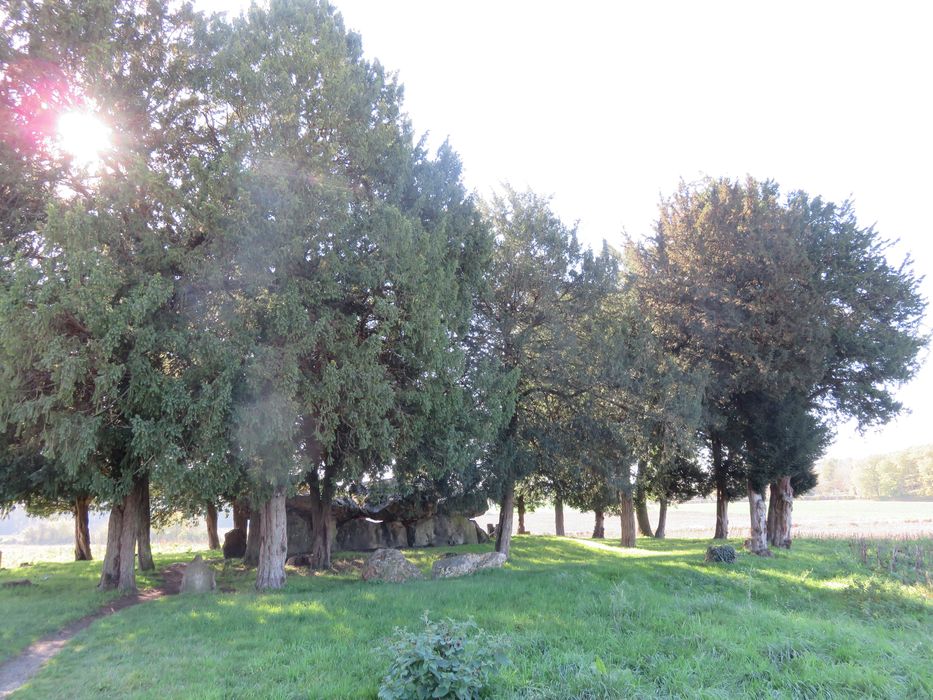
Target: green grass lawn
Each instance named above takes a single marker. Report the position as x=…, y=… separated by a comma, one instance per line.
x=584, y=620
x=61, y=593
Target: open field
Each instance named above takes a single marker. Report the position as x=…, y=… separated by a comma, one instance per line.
x=584, y=620
x=812, y=518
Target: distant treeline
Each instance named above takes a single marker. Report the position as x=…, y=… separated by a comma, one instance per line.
x=904, y=474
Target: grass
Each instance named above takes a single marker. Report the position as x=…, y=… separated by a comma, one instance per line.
x=61, y=593
x=584, y=619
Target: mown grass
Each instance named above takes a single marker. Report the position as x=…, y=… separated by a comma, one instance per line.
x=61, y=592
x=584, y=620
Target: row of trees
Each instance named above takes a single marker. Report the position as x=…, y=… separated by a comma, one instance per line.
x=270, y=286
x=903, y=474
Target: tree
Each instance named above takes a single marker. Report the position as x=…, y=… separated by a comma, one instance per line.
x=539, y=280
x=93, y=287
x=727, y=262
x=344, y=274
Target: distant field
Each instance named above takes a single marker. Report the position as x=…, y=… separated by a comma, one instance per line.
x=877, y=519
x=811, y=519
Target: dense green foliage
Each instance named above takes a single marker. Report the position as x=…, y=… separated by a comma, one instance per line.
x=268, y=286
x=584, y=620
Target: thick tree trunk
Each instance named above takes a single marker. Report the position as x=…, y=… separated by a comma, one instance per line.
x=321, y=525
x=273, y=544
x=662, y=519
x=599, y=528
x=210, y=517
x=641, y=515
x=559, y=516
x=758, y=541
x=145, y=526
x=641, y=503
x=241, y=514
x=722, y=496
x=119, y=567
x=628, y=518
x=504, y=532
x=251, y=558
x=110, y=570
x=780, y=512
x=520, y=504
x=82, y=529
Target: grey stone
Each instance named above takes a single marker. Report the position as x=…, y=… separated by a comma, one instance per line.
x=722, y=553
x=466, y=564
x=234, y=543
x=389, y=565
x=481, y=536
x=421, y=533
x=360, y=535
x=198, y=577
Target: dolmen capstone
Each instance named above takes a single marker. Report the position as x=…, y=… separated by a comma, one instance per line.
x=198, y=577
x=466, y=564
x=724, y=553
x=389, y=565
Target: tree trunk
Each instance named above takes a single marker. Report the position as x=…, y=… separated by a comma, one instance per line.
x=504, y=532
x=210, y=517
x=641, y=503
x=321, y=529
x=82, y=529
x=119, y=567
x=144, y=526
x=722, y=496
x=599, y=529
x=628, y=518
x=662, y=519
x=241, y=514
x=520, y=504
x=273, y=544
x=559, y=516
x=110, y=570
x=780, y=512
x=641, y=515
x=758, y=542
x=251, y=558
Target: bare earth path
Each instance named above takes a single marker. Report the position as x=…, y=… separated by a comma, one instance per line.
x=15, y=672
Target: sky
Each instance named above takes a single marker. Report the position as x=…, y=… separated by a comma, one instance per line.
x=607, y=106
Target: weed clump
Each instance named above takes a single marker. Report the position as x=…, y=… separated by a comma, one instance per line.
x=723, y=553
x=446, y=659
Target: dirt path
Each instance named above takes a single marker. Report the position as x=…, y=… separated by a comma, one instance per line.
x=15, y=672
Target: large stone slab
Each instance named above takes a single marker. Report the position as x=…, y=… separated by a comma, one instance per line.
x=389, y=565
x=363, y=535
x=234, y=543
x=466, y=564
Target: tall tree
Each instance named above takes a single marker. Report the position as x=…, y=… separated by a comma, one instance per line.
x=728, y=260
x=344, y=273
x=93, y=287
x=539, y=280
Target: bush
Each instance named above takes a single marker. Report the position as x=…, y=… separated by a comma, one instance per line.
x=446, y=659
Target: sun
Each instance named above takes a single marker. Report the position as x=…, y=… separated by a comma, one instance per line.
x=84, y=137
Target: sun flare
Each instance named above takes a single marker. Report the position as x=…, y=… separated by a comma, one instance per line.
x=84, y=137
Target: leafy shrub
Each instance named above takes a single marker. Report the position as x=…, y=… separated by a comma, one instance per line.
x=446, y=659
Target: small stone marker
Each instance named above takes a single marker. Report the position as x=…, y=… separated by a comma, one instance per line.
x=299, y=560
x=466, y=564
x=724, y=553
x=198, y=577
x=389, y=565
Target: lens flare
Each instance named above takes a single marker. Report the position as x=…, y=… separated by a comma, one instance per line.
x=84, y=137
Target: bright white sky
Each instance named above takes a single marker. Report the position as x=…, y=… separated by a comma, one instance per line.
x=606, y=106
